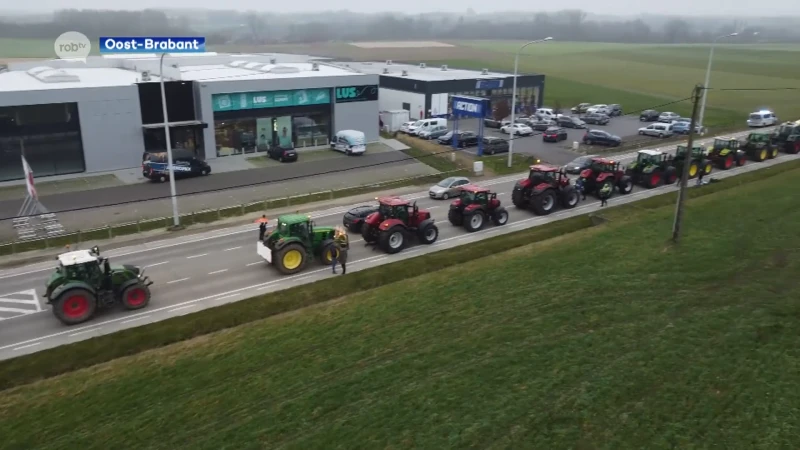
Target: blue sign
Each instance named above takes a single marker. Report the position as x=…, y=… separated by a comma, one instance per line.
x=155, y=44
x=489, y=84
x=469, y=106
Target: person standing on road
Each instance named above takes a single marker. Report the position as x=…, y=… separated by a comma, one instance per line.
x=605, y=194
x=262, y=227
x=581, y=188
x=342, y=246
x=700, y=177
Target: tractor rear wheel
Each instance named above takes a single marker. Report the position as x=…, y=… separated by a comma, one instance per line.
x=569, y=197
x=500, y=216
x=670, y=175
x=328, y=252
x=544, y=203
x=428, y=234
x=654, y=179
x=474, y=221
x=518, y=199
x=625, y=185
x=793, y=147
x=455, y=217
x=75, y=306
x=290, y=259
x=694, y=168
x=136, y=296
x=392, y=240
x=727, y=163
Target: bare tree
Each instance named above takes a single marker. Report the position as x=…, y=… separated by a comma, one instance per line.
x=501, y=110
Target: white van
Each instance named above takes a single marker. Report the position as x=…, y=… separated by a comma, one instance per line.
x=426, y=124
x=349, y=142
x=763, y=118
x=660, y=129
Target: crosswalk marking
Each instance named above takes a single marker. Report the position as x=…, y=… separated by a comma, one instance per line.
x=19, y=303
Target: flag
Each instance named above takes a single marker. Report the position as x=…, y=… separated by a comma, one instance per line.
x=29, y=178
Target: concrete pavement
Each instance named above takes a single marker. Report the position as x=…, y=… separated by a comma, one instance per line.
x=206, y=270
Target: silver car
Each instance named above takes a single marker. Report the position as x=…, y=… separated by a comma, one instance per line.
x=447, y=188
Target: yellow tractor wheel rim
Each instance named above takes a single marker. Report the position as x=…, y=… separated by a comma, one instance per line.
x=693, y=170
x=707, y=169
x=292, y=259
x=329, y=255
x=763, y=154
x=774, y=152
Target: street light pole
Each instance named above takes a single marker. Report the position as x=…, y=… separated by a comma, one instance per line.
x=514, y=97
x=176, y=218
x=708, y=78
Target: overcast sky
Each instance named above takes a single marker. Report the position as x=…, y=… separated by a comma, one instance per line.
x=615, y=7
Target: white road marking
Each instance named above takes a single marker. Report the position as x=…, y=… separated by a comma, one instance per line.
x=379, y=259
x=177, y=281
x=135, y=319
x=502, y=193
x=232, y=248
x=90, y=330
x=15, y=310
x=217, y=271
x=253, y=264
x=156, y=264
x=228, y=296
x=182, y=307
x=304, y=278
x=196, y=256
x=27, y=346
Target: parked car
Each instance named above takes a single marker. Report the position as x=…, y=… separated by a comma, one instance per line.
x=447, y=188
x=763, y=118
x=681, y=126
x=349, y=142
x=615, y=110
x=282, y=154
x=184, y=163
x=661, y=130
x=579, y=164
x=517, y=129
x=580, y=108
x=434, y=132
x=492, y=145
x=596, y=119
x=601, y=108
x=570, y=122
x=463, y=138
x=547, y=113
x=600, y=137
x=668, y=117
x=554, y=134
x=354, y=219
x=649, y=115
x=491, y=123
x=405, y=126
x=542, y=124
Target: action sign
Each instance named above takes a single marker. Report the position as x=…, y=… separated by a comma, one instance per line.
x=116, y=44
x=468, y=106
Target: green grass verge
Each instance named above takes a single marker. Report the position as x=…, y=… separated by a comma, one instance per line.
x=621, y=341
x=59, y=360
x=498, y=164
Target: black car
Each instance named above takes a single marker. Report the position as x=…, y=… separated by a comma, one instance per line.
x=354, y=219
x=282, y=154
x=601, y=137
x=554, y=134
x=492, y=145
x=596, y=119
x=491, y=123
x=463, y=138
x=541, y=124
x=570, y=122
x=649, y=115
x=614, y=110
x=578, y=164
x=185, y=163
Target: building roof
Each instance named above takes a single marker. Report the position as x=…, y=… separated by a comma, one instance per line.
x=50, y=78
x=428, y=73
x=76, y=257
x=246, y=70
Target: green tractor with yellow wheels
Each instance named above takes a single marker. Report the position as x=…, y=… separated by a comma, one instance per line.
x=694, y=161
x=295, y=242
x=758, y=146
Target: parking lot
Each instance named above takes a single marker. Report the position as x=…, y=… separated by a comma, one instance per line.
x=625, y=127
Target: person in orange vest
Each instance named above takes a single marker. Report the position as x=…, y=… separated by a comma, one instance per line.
x=262, y=227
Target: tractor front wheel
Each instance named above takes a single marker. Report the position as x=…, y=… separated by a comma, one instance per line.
x=290, y=259
x=328, y=253
x=75, y=306
x=518, y=199
x=369, y=233
x=773, y=152
x=428, y=234
x=474, y=221
x=544, y=203
x=707, y=168
x=694, y=168
x=500, y=216
x=136, y=296
x=455, y=217
x=392, y=240
x=569, y=197
x=761, y=155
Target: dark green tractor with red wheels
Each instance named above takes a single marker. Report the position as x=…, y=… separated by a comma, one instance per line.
x=474, y=207
x=545, y=188
x=787, y=137
x=396, y=222
x=694, y=161
x=652, y=169
x=84, y=282
x=295, y=241
x=726, y=153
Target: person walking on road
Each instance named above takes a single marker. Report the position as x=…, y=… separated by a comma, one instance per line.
x=262, y=227
x=342, y=245
x=605, y=194
x=581, y=188
x=700, y=177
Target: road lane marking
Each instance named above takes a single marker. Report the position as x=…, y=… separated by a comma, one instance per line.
x=227, y=296
x=178, y=280
x=197, y=256
x=217, y=271
x=135, y=319
x=182, y=307
x=85, y=331
x=232, y=248
x=253, y=264
x=156, y=264
x=27, y=346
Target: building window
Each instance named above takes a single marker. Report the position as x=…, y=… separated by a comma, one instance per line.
x=235, y=136
x=283, y=128
x=312, y=130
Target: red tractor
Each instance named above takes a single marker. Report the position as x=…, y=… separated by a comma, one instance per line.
x=604, y=171
x=544, y=188
x=474, y=206
x=395, y=221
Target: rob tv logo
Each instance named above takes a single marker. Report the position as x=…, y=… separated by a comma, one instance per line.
x=72, y=45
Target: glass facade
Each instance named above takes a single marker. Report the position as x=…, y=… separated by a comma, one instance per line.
x=257, y=130
x=183, y=137
x=49, y=136
x=527, y=97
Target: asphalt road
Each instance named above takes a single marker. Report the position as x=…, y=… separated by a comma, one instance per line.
x=224, y=180
x=206, y=270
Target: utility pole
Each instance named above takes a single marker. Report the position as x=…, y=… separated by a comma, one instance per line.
x=697, y=93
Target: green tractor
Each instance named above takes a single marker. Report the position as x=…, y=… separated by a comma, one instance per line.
x=758, y=146
x=652, y=169
x=295, y=241
x=726, y=152
x=787, y=137
x=84, y=281
x=697, y=161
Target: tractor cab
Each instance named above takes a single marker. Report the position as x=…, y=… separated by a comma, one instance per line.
x=723, y=143
x=759, y=138
x=787, y=129
x=698, y=152
x=599, y=166
x=546, y=174
x=474, y=195
x=297, y=226
x=646, y=158
x=397, y=208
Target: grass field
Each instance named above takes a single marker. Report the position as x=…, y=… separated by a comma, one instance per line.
x=587, y=341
